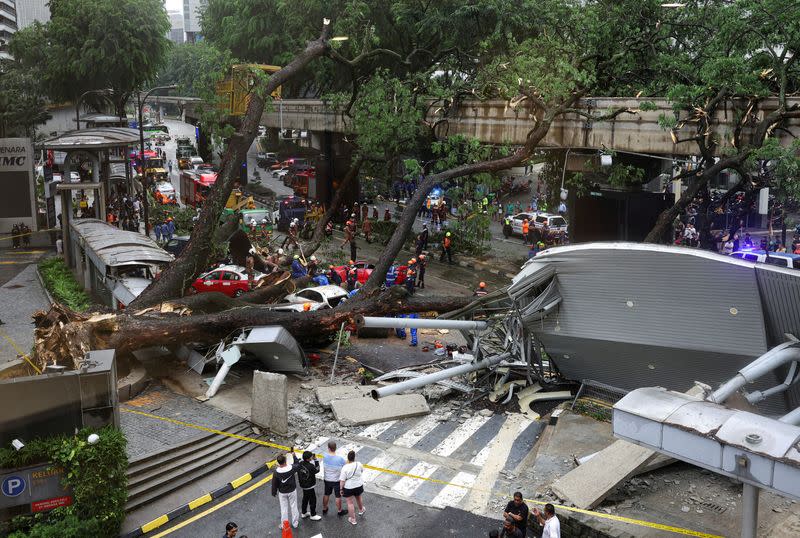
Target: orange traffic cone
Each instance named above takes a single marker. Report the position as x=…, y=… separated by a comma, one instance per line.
x=286, y=532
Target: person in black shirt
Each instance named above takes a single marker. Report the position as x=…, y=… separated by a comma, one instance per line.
x=517, y=511
x=510, y=530
x=230, y=530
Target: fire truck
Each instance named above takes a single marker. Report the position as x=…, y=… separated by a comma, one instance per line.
x=195, y=186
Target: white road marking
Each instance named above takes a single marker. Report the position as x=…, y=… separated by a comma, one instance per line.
x=407, y=485
x=482, y=456
x=423, y=428
x=374, y=430
x=383, y=461
x=460, y=435
x=451, y=495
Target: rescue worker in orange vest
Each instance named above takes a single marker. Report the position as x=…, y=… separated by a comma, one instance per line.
x=447, y=247
x=411, y=276
x=525, y=229
x=481, y=291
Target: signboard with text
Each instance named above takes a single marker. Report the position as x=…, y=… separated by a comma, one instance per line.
x=34, y=489
x=17, y=203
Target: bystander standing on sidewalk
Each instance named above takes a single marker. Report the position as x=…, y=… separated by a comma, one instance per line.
x=284, y=486
x=352, y=486
x=307, y=477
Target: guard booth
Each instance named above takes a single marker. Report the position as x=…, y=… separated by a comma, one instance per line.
x=94, y=166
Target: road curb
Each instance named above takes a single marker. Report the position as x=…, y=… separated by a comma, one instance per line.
x=198, y=502
x=44, y=288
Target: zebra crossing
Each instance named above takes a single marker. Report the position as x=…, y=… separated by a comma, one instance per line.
x=434, y=460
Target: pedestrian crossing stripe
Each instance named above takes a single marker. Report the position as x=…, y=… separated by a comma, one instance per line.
x=454, y=489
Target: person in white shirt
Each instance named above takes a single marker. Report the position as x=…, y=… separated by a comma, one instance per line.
x=548, y=520
x=352, y=486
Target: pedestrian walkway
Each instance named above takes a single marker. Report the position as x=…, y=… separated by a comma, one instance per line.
x=20, y=296
x=441, y=455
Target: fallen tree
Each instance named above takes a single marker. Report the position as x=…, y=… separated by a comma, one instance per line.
x=63, y=336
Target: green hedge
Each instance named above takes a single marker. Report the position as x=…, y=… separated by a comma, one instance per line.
x=60, y=282
x=96, y=474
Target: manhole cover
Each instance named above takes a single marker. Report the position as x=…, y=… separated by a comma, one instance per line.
x=714, y=507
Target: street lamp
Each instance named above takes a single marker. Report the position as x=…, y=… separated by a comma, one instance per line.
x=78, y=105
x=145, y=202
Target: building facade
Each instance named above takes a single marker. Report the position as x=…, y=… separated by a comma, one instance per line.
x=176, y=27
x=18, y=14
x=191, y=19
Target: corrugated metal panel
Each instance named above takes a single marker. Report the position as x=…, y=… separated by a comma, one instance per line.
x=780, y=294
x=630, y=366
x=110, y=246
x=656, y=296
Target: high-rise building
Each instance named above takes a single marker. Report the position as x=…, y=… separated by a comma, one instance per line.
x=176, y=28
x=30, y=11
x=18, y=14
x=8, y=25
x=191, y=19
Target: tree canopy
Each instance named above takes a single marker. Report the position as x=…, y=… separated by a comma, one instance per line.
x=96, y=44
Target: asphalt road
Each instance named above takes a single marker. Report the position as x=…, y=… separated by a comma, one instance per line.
x=257, y=514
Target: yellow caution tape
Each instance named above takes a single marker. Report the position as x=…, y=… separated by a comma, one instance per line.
x=622, y=519
x=19, y=351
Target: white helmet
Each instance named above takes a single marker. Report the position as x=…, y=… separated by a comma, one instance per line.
x=263, y=221
x=252, y=220
x=280, y=251
x=313, y=258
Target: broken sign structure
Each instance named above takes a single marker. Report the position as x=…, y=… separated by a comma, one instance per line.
x=274, y=346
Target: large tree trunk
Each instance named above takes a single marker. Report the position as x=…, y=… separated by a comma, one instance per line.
x=63, y=336
x=319, y=231
x=409, y=215
x=175, y=280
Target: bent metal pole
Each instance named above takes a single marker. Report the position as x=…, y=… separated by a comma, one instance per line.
x=419, y=323
x=419, y=382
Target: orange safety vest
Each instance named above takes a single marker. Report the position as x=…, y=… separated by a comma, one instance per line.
x=525, y=228
x=446, y=242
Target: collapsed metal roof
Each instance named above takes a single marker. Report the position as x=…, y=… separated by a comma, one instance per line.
x=635, y=315
x=109, y=246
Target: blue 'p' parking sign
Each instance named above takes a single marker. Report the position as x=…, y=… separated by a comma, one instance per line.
x=13, y=486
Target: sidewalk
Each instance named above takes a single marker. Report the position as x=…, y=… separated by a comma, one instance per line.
x=21, y=297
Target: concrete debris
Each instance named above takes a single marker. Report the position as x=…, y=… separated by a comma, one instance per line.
x=359, y=411
x=486, y=412
x=589, y=484
x=270, y=402
x=326, y=395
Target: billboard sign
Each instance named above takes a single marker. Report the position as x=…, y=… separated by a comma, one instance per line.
x=34, y=489
x=17, y=203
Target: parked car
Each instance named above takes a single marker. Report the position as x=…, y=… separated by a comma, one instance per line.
x=176, y=245
x=516, y=222
x=196, y=161
x=318, y=298
x=228, y=279
x=555, y=223
x=364, y=270
x=164, y=193
x=781, y=259
x=289, y=162
x=265, y=160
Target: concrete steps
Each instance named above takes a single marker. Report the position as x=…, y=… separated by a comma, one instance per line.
x=158, y=474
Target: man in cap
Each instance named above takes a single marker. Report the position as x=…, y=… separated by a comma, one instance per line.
x=297, y=267
x=447, y=249
x=411, y=276
x=422, y=264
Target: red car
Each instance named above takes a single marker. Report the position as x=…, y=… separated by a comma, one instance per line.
x=228, y=279
x=364, y=269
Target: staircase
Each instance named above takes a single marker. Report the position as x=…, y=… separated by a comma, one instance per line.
x=158, y=474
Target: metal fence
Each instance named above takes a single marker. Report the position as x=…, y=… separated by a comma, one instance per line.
x=597, y=399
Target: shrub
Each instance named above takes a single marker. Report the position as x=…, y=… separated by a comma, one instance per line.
x=383, y=230
x=60, y=282
x=96, y=474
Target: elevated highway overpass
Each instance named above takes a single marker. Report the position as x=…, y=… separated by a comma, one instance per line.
x=496, y=122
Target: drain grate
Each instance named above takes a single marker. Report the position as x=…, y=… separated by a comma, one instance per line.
x=714, y=507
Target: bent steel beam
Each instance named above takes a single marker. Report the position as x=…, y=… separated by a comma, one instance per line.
x=418, y=323
x=438, y=376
